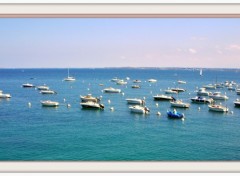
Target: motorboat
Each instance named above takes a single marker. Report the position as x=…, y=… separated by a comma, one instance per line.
x=48, y=92
x=135, y=86
x=238, y=91
x=91, y=105
x=181, y=82
x=237, y=103
x=121, y=82
x=162, y=97
x=177, y=89
x=170, y=91
x=218, y=108
x=137, y=81
x=27, y=85
x=175, y=115
x=179, y=104
x=219, y=85
x=112, y=90
x=209, y=86
x=218, y=96
x=43, y=88
x=69, y=78
x=115, y=79
x=231, y=88
x=2, y=95
x=139, y=109
x=89, y=97
x=152, y=80
x=203, y=92
x=49, y=103
x=135, y=101
x=201, y=100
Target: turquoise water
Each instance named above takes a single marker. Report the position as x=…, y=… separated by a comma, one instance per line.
x=62, y=133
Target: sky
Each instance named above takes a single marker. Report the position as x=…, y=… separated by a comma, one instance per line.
x=119, y=42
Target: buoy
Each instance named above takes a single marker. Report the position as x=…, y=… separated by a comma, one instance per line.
x=144, y=98
x=112, y=109
x=199, y=108
x=158, y=113
x=64, y=100
x=150, y=92
x=88, y=89
x=157, y=104
x=101, y=90
x=231, y=112
x=109, y=101
x=68, y=105
x=123, y=93
x=189, y=93
x=101, y=96
x=183, y=119
x=29, y=104
x=160, y=89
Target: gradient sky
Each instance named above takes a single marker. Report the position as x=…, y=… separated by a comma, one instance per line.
x=119, y=42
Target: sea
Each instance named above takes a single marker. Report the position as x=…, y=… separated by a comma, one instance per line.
x=36, y=133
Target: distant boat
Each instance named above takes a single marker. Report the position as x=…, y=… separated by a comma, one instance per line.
x=152, y=80
x=175, y=114
x=218, y=108
x=179, y=104
x=112, y=90
x=237, y=103
x=135, y=101
x=177, y=89
x=181, y=82
x=169, y=91
x=139, y=109
x=218, y=96
x=89, y=97
x=49, y=103
x=69, y=78
x=92, y=105
x=48, y=92
x=201, y=100
x=201, y=72
x=121, y=82
x=27, y=85
x=162, y=97
x=137, y=81
x=203, y=92
x=43, y=88
x=4, y=95
x=136, y=86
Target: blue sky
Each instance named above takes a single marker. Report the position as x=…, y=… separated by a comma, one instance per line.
x=119, y=42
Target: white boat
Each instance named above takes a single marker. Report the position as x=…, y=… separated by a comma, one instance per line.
x=49, y=103
x=238, y=91
x=43, y=88
x=203, y=92
x=121, y=82
x=69, y=78
x=137, y=81
x=5, y=95
x=48, y=92
x=112, y=90
x=136, y=86
x=179, y=104
x=115, y=79
x=89, y=97
x=135, y=101
x=27, y=85
x=169, y=91
x=162, y=97
x=139, y=109
x=181, y=82
x=92, y=105
x=237, y=103
x=231, y=88
x=201, y=100
x=219, y=85
x=218, y=96
x=209, y=86
x=177, y=89
x=218, y=108
x=152, y=80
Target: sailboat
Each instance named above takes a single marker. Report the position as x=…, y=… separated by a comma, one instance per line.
x=69, y=78
x=200, y=72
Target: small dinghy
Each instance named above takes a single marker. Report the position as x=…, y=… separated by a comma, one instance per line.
x=162, y=97
x=112, y=90
x=43, y=88
x=135, y=86
x=174, y=114
x=135, y=101
x=27, y=85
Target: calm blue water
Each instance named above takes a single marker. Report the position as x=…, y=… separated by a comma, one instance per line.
x=63, y=133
